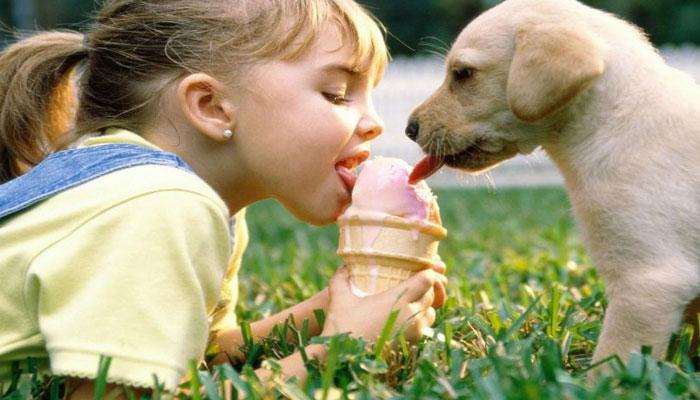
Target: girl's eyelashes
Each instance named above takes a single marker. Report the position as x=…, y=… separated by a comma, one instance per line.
x=336, y=98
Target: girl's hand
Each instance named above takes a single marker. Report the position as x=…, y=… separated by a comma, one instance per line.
x=441, y=292
x=416, y=299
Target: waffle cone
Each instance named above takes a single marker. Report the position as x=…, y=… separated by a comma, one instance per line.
x=382, y=251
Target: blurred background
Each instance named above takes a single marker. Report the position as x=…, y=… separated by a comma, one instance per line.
x=419, y=31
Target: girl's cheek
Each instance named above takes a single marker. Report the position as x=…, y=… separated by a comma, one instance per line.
x=347, y=112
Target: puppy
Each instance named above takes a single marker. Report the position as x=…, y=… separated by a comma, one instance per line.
x=622, y=127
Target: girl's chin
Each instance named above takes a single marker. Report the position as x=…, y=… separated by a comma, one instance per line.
x=316, y=215
x=320, y=207
x=318, y=219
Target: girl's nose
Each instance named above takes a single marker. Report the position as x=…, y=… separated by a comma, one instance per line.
x=370, y=126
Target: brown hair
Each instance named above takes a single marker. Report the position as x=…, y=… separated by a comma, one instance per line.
x=35, y=97
x=136, y=48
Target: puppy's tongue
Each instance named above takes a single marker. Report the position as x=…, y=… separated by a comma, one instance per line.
x=425, y=168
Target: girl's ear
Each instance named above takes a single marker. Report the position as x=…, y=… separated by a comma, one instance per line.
x=202, y=101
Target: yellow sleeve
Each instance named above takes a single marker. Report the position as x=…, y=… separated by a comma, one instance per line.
x=136, y=283
x=224, y=316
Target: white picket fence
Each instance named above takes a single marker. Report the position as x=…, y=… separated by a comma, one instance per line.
x=408, y=82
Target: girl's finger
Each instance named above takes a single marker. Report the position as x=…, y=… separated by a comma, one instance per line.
x=429, y=316
x=440, y=294
x=440, y=291
x=428, y=298
x=439, y=266
x=414, y=288
x=340, y=282
x=425, y=320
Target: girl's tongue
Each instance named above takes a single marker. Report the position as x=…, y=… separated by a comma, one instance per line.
x=346, y=176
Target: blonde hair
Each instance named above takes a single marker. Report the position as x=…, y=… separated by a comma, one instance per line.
x=136, y=48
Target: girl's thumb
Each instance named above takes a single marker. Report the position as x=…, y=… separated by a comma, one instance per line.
x=340, y=283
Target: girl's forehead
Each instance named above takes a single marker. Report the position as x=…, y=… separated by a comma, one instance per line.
x=363, y=54
x=337, y=25
x=333, y=50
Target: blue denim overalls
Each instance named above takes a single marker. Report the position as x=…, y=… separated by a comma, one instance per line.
x=66, y=169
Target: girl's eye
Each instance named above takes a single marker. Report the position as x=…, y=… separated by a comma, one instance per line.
x=336, y=98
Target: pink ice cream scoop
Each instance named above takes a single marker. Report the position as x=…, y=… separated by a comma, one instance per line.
x=392, y=228
x=382, y=188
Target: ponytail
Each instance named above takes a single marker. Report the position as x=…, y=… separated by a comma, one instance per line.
x=38, y=98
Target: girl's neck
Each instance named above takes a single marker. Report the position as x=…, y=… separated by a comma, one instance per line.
x=214, y=162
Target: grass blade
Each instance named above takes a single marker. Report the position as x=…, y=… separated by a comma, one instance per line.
x=331, y=366
x=386, y=333
x=521, y=320
x=211, y=387
x=101, y=380
x=195, y=384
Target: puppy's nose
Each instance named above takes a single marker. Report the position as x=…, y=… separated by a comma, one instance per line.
x=412, y=130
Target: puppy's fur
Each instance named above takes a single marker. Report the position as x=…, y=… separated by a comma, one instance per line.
x=621, y=125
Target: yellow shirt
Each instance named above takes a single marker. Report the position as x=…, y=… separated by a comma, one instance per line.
x=132, y=265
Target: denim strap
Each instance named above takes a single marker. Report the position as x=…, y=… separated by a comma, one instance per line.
x=66, y=169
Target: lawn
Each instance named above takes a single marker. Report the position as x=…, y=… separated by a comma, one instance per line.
x=524, y=311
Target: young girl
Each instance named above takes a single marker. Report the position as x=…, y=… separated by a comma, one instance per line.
x=191, y=110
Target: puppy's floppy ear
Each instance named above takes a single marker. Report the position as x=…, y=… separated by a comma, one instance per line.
x=553, y=63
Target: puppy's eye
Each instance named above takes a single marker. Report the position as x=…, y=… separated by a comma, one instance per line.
x=462, y=74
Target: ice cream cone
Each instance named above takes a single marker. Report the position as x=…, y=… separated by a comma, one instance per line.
x=381, y=250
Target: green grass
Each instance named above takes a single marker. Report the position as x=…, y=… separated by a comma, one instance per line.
x=523, y=315
x=524, y=311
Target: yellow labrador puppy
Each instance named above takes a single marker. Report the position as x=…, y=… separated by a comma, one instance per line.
x=621, y=125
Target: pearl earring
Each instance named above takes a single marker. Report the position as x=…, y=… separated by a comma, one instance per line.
x=228, y=134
